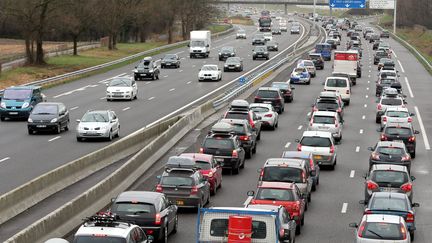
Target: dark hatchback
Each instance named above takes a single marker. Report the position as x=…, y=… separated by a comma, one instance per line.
x=170, y=60
x=317, y=60
x=325, y=104
x=48, y=116
x=378, y=55
x=233, y=64
x=286, y=90
x=246, y=135
x=386, y=152
x=225, y=52
x=150, y=210
x=401, y=131
x=273, y=96
x=260, y=52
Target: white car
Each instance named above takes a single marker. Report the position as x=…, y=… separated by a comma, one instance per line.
x=98, y=124
x=340, y=85
x=327, y=121
x=241, y=34
x=268, y=36
x=269, y=116
x=309, y=65
x=121, y=88
x=396, y=115
x=381, y=228
x=387, y=101
x=295, y=29
x=210, y=72
x=321, y=144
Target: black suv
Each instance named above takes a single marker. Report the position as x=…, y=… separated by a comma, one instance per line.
x=401, y=131
x=271, y=96
x=239, y=109
x=258, y=40
x=150, y=210
x=317, y=60
x=170, y=60
x=225, y=146
x=48, y=116
x=260, y=52
x=225, y=52
x=378, y=55
x=147, y=68
x=246, y=135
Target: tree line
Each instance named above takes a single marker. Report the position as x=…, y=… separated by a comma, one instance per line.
x=120, y=20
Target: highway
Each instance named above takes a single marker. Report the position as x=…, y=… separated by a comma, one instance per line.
x=24, y=157
x=335, y=203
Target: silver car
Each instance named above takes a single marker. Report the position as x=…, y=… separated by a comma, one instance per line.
x=98, y=124
x=387, y=101
x=327, y=121
x=396, y=115
x=269, y=116
x=321, y=144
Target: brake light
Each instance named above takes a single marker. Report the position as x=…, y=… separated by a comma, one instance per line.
x=384, y=119
x=210, y=174
x=234, y=154
x=299, y=147
x=158, y=219
x=371, y=185
x=383, y=137
x=269, y=115
x=332, y=149
x=403, y=231
x=375, y=156
x=409, y=119
x=311, y=164
x=159, y=188
x=368, y=212
x=379, y=106
x=361, y=229
x=407, y=187
x=411, y=139
x=201, y=150
x=410, y=218
x=194, y=190
x=296, y=206
x=244, y=138
x=406, y=157
x=339, y=110
x=257, y=97
x=262, y=172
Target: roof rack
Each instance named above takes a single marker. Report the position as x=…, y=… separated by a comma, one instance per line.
x=239, y=105
x=222, y=128
x=104, y=220
x=177, y=162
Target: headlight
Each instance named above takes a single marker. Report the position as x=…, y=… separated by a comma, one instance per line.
x=226, y=65
x=135, y=70
x=265, y=52
x=3, y=105
x=254, y=53
x=238, y=65
x=220, y=53
x=30, y=120
x=25, y=105
x=54, y=120
x=151, y=70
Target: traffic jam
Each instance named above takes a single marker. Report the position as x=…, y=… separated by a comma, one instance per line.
x=276, y=210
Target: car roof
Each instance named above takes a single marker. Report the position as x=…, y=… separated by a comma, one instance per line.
x=260, y=105
x=389, y=167
x=98, y=111
x=210, y=65
x=317, y=134
x=396, y=143
x=235, y=121
x=384, y=218
x=197, y=156
x=276, y=185
x=297, y=154
x=284, y=162
x=139, y=196
x=122, y=232
x=324, y=113
x=264, y=206
x=399, y=124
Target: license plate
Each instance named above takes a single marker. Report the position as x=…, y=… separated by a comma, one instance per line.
x=168, y=64
x=91, y=132
x=231, y=67
x=143, y=74
x=267, y=102
x=385, y=189
x=180, y=202
x=13, y=113
x=220, y=159
x=317, y=157
x=323, y=128
x=41, y=126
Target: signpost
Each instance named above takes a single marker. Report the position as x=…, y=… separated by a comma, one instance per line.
x=347, y=3
x=381, y=4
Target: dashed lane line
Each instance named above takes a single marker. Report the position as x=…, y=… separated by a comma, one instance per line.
x=126, y=108
x=151, y=98
x=344, y=207
x=54, y=138
x=74, y=108
x=4, y=159
x=352, y=173
x=400, y=64
x=287, y=145
x=422, y=128
x=409, y=87
x=357, y=149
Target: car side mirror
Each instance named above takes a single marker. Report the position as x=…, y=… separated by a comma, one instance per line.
x=363, y=202
x=415, y=205
x=353, y=225
x=259, y=118
x=113, y=121
x=113, y=199
x=158, y=177
x=259, y=170
x=413, y=178
x=78, y=120
x=297, y=140
x=250, y=193
x=370, y=148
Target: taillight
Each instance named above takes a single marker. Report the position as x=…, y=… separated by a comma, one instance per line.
x=410, y=218
x=299, y=147
x=332, y=149
x=234, y=154
x=201, y=150
x=375, y=156
x=311, y=164
x=297, y=207
x=158, y=219
x=409, y=119
x=244, y=138
x=383, y=137
x=159, y=188
x=371, y=185
x=379, y=106
x=361, y=229
x=194, y=190
x=269, y=115
x=339, y=110
x=368, y=212
x=403, y=231
x=257, y=97
x=406, y=157
x=262, y=172
x=407, y=187
x=315, y=108
x=210, y=174
x=411, y=139
x=384, y=119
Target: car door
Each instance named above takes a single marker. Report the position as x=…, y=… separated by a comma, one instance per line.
x=61, y=115
x=170, y=211
x=115, y=125
x=250, y=131
x=134, y=88
x=217, y=171
x=202, y=185
x=302, y=200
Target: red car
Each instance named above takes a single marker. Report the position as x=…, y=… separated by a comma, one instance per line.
x=284, y=194
x=209, y=168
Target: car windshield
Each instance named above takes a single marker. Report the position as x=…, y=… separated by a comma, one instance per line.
x=241, y=32
x=336, y=82
x=227, y=49
x=389, y=178
x=259, y=49
x=398, y=131
x=315, y=57
x=260, y=109
x=390, y=150
x=382, y=230
x=308, y=63
x=274, y=194
x=299, y=70
x=280, y=85
x=315, y=142
x=233, y=60
x=218, y=143
x=45, y=110
x=98, y=239
x=121, y=82
x=324, y=119
x=95, y=117
x=209, y=68
x=400, y=114
x=176, y=181
x=197, y=43
x=203, y=165
x=170, y=57
x=133, y=208
x=17, y=94
x=237, y=115
x=282, y=174
x=267, y=94
x=385, y=203
x=390, y=101
x=387, y=81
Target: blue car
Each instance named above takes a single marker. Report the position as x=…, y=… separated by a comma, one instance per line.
x=18, y=102
x=300, y=75
x=325, y=50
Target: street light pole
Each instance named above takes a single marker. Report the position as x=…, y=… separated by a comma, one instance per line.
x=394, y=17
x=314, y=11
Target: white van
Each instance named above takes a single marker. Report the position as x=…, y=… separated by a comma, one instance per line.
x=340, y=85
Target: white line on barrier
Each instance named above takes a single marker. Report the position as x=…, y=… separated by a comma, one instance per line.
x=189, y=82
x=422, y=128
x=357, y=149
x=344, y=207
x=151, y=98
x=287, y=145
x=166, y=76
x=366, y=96
x=74, y=108
x=400, y=64
x=54, y=138
x=125, y=109
x=367, y=88
x=409, y=87
x=171, y=89
x=102, y=98
x=179, y=52
x=352, y=173
x=394, y=53
x=4, y=159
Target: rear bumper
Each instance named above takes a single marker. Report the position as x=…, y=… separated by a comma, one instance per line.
x=10, y=113
x=184, y=202
x=325, y=159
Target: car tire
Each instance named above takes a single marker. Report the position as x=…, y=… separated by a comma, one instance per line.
x=110, y=136
x=347, y=103
x=235, y=170
x=30, y=131
x=153, y=77
x=308, y=82
x=248, y=154
x=157, y=76
x=309, y=197
x=79, y=139
x=253, y=58
x=213, y=192
x=259, y=136
x=66, y=128
x=254, y=148
x=58, y=129
x=267, y=58
x=412, y=235
x=413, y=154
x=378, y=119
x=332, y=167
x=118, y=133
x=2, y=118
x=313, y=187
x=164, y=238
x=298, y=230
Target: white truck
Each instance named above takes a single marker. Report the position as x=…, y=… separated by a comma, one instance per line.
x=200, y=43
x=346, y=62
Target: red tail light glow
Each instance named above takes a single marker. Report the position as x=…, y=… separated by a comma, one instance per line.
x=403, y=231
x=361, y=229
x=299, y=147
x=244, y=138
x=384, y=119
x=234, y=154
x=406, y=157
x=201, y=150
x=409, y=119
x=158, y=219
x=407, y=187
x=339, y=110
x=371, y=185
x=379, y=106
x=410, y=218
x=332, y=149
x=311, y=164
x=411, y=139
x=269, y=115
x=159, y=188
x=383, y=137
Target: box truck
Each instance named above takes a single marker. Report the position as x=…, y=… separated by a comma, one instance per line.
x=200, y=43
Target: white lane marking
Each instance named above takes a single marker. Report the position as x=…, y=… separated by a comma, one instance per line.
x=180, y=52
x=369, y=76
x=422, y=128
x=394, y=53
x=409, y=87
x=189, y=82
x=361, y=131
x=4, y=159
x=352, y=174
x=183, y=58
x=368, y=82
x=309, y=113
x=171, y=89
x=367, y=88
x=54, y=138
x=106, y=80
x=300, y=127
x=166, y=76
x=147, y=82
x=400, y=64
x=287, y=145
x=226, y=37
x=366, y=96
x=344, y=207
x=365, y=105
x=370, y=70
x=357, y=149
x=74, y=108
x=180, y=71
x=363, y=117
x=248, y=200
x=125, y=109
x=194, y=65
x=151, y=98
x=102, y=98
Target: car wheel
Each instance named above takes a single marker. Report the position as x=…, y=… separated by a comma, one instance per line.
x=308, y=82
x=298, y=230
x=164, y=238
x=110, y=136
x=66, y=128
x=213, y=192
x=30, y=131
x=248, y=155
x=153, y=77
x=253, y=58
x=259, y=136
x=412, y=235
x=2, y=118
x=333, y=165
x=118, y=133
x=310, y=197
x=79, y=139
x=313, y=187
x=157, y=76
x=175, y=225
x=235, y=170
x=254, y=148
x=378, y=119
x=58, y=129
x=413, y=154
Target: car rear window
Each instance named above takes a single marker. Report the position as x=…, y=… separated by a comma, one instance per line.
x=385, y=203
x=239, y=129
x=98, y=239
x=400, y=114
x=382, y=230
x=389, y=178
x=398, y=131
x=259, y=109
x=133, y=208
x=338, y=83
x=275, y=194
x=282, y=174
x=218, y=143
x=315, y=142
x=237, y=115
x=324, y=119
x=219, y=228
x=391, y=101
x=176, y=181
x=390, y=150
x=267, y=94
x=203, y=165
x=280, y=85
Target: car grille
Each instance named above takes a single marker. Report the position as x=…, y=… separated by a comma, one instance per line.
x=197, y=51
x=207, y=75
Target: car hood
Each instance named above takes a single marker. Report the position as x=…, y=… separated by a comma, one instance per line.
x=38, y=117
x=93, y=125
x=118, y=89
